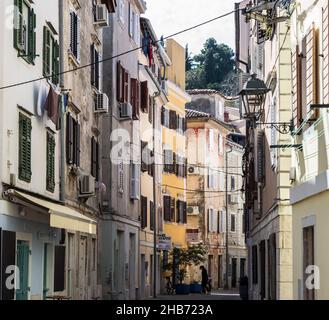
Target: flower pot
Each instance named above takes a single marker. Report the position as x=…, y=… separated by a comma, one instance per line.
x=195, y=288
x=183, y=289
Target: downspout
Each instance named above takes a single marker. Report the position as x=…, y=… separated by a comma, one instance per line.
x=62, y=106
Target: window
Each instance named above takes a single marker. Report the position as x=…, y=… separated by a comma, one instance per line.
x=144, y=96
x=50, y=55
x=135, y=181
x=24, y=31
x=172, y=120
x=152, y=213
x=50, y=183
x=212, y=220
x=135, y=97
x=75, y=35
x=121, y=11
x=72, y=141
x=165, y=119
x=220, y=144
x=95, y=67
x=123, y=84
x=94, y=158
x=232, y=183
x=25, y=127
x=211, y=178
x=211, y=139
x=233, y=219
x=144, y=212
x=166, y=206
x=169, y=161
x=181, y=212
x=222, y=221
x=254, y=265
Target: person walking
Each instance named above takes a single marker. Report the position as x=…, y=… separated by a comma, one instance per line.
x=204, y=279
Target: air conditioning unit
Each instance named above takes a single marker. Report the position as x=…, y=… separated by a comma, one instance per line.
x=193, y=170
x=101, y=103
x=126, y=111
x=86, y=186
x=164, y=86
x=101, y=16
x=193, y=210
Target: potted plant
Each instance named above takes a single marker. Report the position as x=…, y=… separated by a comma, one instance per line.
x=184, y=258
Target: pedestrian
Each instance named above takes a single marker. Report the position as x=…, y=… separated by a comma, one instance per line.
x=204, y=279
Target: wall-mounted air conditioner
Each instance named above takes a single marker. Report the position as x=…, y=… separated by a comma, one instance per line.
x=86, y=186
x=126, y=111
x=193, y=210
x=193, y=170
x=101, y=16
x=101, y=103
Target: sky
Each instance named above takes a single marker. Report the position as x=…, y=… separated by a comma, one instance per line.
x=170, y=16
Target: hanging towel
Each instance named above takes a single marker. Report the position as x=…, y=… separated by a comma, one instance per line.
x=42, y=97
x=52, y=106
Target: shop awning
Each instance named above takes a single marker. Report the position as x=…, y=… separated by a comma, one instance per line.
x=60, y=216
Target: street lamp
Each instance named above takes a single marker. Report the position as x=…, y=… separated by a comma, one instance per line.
x=253, y=96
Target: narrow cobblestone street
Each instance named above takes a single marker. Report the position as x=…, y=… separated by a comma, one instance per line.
x=215, y=295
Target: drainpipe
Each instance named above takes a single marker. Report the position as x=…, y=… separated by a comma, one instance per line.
x=62, y=109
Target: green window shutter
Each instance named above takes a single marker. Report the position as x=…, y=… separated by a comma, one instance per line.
x=18, y=25
x=50, y=183
x=46, y=51
x=25, y=127
x=31, y=36
x=55, y=62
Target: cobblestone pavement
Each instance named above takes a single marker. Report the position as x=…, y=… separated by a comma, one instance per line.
x=215, y=295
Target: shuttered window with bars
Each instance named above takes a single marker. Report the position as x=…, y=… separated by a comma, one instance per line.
x=312, y=69
x=50, y=180
x=24, y=157
x=143, y=212
x=75, y=35
x=24, y=30
x=72, y=141
x=181, y=212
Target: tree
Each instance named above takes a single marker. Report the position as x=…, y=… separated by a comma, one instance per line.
x=188, y=59
x=193, y=255
x=215, y=64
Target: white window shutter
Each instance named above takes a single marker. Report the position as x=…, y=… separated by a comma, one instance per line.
x=135, y=182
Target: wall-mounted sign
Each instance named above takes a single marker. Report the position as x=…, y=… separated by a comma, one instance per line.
x=164, y=242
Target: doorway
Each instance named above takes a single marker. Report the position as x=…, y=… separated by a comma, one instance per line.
x=22, y=258
x=132, y=264
x=234, y=270
x=308, y=259
x=242, y=267
x=48, y=271
x=82, y=268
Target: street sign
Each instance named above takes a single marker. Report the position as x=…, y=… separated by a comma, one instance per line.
x=164, y=242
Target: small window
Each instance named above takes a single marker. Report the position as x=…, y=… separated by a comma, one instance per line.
x=95, y=67
x=24, y=31
x=233, y=220
x=72, y=141
x=50, y=56
x=75, y=35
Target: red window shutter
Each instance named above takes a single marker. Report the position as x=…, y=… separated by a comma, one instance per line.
x=312, y=70
x=325, y=45
x=119, y=82
x=126, y=86
x=144, y=96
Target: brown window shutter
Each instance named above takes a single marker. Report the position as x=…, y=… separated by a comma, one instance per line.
x=133, y=98
x=144, y=212
x=144, y=166
x=172, y=209
x=144, y=96
x=261, y=157
x=138, y=96
x=166, y=206
x=297, y=87
x=178, y=208
x=126, y=86
x=59, y=269
x=172, y=120
x=119, y=82
x=312, y=59
x=325, y=45
x=69, y=139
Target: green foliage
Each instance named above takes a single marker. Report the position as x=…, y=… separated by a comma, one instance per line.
x=192, y=256
x=188, y=59
x=213, y=65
